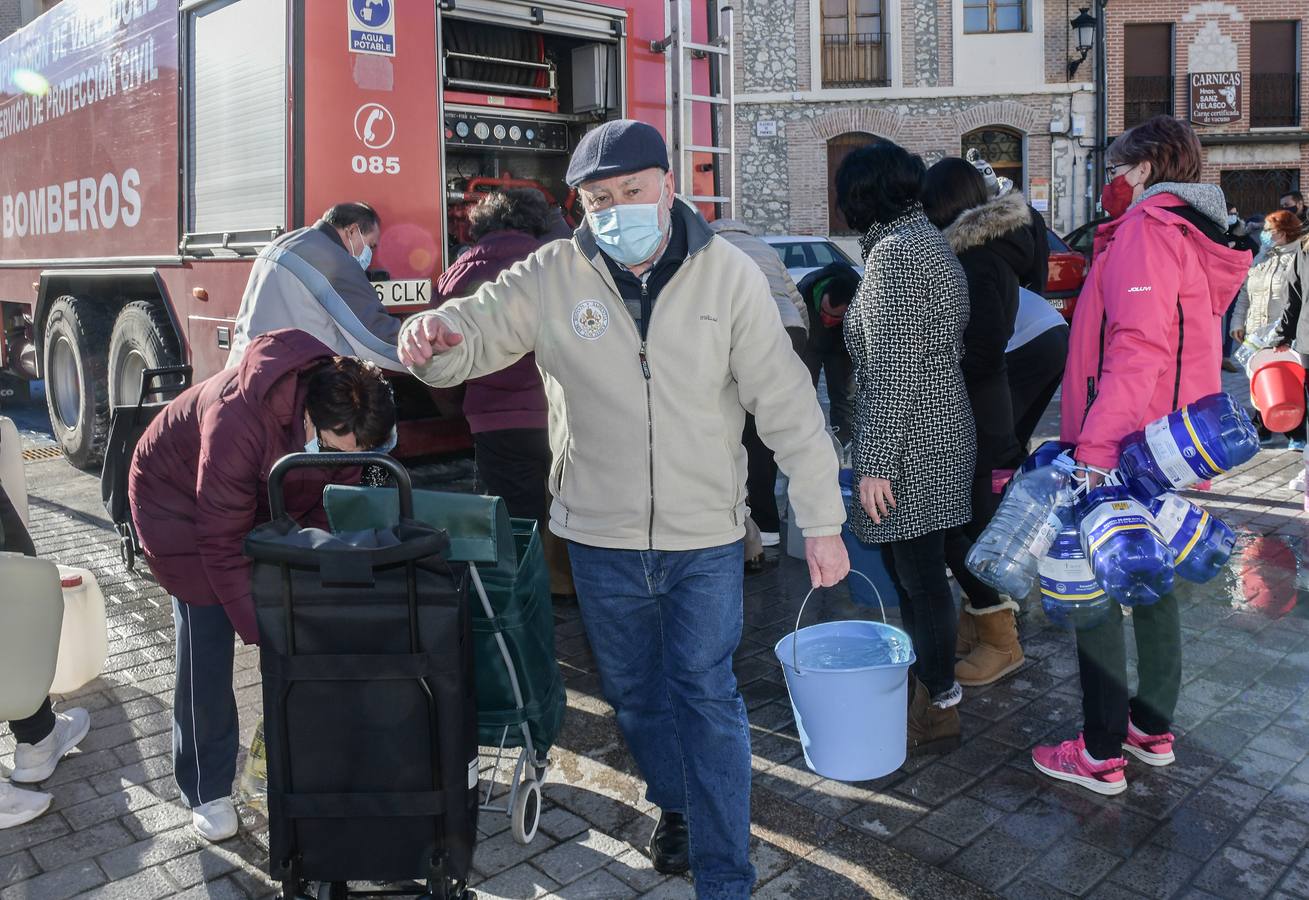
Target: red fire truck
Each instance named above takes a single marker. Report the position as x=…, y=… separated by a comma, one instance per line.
x=150, y=148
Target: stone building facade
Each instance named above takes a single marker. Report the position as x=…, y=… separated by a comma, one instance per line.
x=935, y=76
x=1155, y=47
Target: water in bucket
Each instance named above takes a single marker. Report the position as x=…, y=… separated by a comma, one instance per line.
x=848, y=683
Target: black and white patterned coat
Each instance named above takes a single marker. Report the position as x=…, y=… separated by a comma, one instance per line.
x=914, y=424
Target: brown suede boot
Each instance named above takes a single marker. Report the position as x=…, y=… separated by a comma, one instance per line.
x=931, y=729
x=997, y=652
x=966, y=636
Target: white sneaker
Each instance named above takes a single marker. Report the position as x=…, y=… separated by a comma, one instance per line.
x=216, y=820
x=18, y=806
x=1296, y=483
x=36, y=762
x=770, y=538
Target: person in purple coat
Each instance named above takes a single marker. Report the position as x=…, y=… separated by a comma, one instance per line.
x=507, y=411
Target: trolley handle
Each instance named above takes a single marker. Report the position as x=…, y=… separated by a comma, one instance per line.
x=151, y=381
x=276, y=502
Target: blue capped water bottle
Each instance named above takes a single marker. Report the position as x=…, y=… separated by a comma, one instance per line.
x=1201, y=543
x=1130, y=559
x=1202, y=440
x=1007, y=555
x=1070, y=595
x=1045, y=454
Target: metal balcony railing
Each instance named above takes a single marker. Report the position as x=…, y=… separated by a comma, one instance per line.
x=1146, y=96
x=1275, y=100
x=856, y=60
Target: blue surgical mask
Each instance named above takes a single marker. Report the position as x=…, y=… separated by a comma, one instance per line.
x=630, y=233
x=365, y=256
x=311, y=445
x=1266, y=238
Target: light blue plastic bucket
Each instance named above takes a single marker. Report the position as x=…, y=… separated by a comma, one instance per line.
x=852, y=721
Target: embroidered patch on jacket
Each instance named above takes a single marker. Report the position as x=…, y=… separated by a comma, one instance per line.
x=590, y=320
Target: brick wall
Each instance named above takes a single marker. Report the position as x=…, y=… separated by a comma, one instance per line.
x=1059, y=44
x=11, y=18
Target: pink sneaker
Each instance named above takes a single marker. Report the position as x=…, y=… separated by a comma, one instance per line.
x=1151, y=749
x=1068, y=762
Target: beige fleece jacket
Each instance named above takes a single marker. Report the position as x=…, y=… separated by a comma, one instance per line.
x=651, y=461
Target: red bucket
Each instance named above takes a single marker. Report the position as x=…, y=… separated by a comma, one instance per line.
x=1277, y=388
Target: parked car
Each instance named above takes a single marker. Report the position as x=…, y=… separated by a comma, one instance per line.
x=802, y=254
x=1082, y=238
x=1068, y=270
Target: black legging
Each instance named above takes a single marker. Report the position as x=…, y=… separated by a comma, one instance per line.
x=35, y=727
x=927, y=606
x=1035, y=372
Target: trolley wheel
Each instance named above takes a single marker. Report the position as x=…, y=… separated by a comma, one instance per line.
x=526, y=814
x=127, y=550
x=333, y=890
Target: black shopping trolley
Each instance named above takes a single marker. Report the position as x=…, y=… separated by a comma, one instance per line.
x=520, y=690
x=127, y=422
x=369, y=714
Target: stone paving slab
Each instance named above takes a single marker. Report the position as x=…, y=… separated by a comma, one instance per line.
x=1229, y=820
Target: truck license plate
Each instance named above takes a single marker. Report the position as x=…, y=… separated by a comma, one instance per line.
x=404, y=293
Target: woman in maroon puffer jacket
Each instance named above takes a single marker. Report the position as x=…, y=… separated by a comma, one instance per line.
x=199, y=484
x=507, y=411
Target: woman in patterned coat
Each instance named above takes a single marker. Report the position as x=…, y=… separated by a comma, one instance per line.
x=915, y=441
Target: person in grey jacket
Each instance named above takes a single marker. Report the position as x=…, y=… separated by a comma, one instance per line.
x=915, y=439
x=314, y=279
x=761, y=480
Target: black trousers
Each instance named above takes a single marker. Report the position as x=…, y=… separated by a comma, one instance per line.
x=958, y=541
x=927, y=608
x=37, y=726
x=826, y=354
x=515, y=464
x=760, y=479
x=1102, y=666
x=1035, y=372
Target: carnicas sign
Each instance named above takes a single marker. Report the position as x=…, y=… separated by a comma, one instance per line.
x=1215, y=97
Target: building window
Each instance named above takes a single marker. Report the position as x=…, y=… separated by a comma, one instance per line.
x=1148, y=87
x=1257, y=192
x=1001, y=147
x=992, y=16
x=854, y=44
x=1274, y=74
x=838, y=148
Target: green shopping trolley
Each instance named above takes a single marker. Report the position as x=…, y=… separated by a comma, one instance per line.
x=520, y=690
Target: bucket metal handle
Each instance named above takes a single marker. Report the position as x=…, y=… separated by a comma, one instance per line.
x=795, y=639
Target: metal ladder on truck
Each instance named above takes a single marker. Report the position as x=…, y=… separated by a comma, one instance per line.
x=718, y=100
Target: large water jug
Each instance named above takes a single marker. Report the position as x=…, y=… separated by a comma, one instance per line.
x=29, y=640
x=1211, y=436
x=1129, y=557
x=12, y=477
x=1070, y=595
x=1253, y=343
x=1201, y=543
x=83, y=641
x=1007, y=555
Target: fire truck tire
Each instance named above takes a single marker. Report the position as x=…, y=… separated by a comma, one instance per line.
x=142, y=339
x=75, y=364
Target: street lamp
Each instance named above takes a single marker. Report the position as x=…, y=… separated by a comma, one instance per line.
x=1084, y=33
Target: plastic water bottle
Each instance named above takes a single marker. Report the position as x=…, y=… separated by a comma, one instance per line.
x=1253, y=343
x=1070, y=595
x=1129, y=557
x=254, y=778
x=1201, y=544
x=1007, y=555
x=1211, y=436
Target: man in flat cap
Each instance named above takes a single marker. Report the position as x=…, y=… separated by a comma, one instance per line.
x=655, y=338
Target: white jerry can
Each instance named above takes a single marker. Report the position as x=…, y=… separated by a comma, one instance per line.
x=84, y=641
x=29, y=641
x=12, y=477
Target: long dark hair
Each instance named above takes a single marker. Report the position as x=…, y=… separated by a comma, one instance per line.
x=951, y=187
x=878, y=184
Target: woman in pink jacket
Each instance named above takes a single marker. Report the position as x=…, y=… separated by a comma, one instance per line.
x=1146, y=340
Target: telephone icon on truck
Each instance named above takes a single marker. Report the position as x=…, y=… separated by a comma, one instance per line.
x=374, y=126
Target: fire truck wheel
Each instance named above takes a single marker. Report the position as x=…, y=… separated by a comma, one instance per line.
x=76, y=378
x=142, y=339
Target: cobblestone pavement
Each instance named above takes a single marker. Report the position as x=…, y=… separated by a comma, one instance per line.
x=1229, y=820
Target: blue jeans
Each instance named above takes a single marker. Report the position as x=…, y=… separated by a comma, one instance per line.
x=663, y=627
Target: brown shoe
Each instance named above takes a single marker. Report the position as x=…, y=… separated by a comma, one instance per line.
x=931, y=729
x=966, y=638
x=997, y=652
